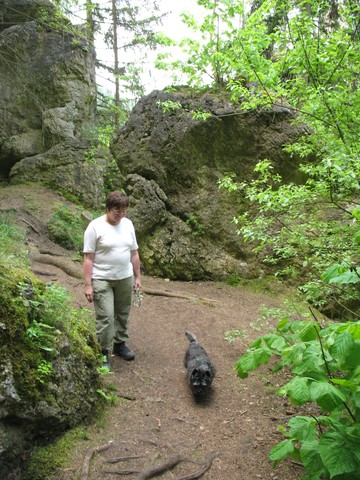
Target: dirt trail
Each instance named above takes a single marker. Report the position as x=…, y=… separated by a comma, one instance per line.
x=155, y=416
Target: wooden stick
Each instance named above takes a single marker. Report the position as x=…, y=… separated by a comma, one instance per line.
x=88, y=457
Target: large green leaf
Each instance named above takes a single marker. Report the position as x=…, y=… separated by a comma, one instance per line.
x=326, y=395
x=312, y=364
x=308, y=332
x=310, y=457
x=252, y=360
x=302, y=428
x=293, y=354
x=275, y=342
x=351, y=276
x=331, y=272
x=354, y=329
x=297, y=390
x=342, y=344
x=337, y=455
x=281, y=451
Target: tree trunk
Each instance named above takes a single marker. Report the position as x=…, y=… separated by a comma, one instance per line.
x=116, y=64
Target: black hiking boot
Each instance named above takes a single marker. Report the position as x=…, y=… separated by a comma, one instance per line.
x=122, y=351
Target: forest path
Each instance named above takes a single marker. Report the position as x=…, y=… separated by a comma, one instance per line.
x=155, y=419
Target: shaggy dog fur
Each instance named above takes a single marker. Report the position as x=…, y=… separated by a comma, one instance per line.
x=200, y=368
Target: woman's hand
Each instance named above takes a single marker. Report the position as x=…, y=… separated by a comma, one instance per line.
x=89, y=293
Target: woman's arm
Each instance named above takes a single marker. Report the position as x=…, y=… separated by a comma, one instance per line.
x=88, y=268
x=135, y=260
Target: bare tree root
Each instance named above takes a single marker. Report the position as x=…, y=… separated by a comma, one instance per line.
x=123, y=459
x=207, y=464
x=60, y=262
x=184, y=295
x=170, y=463
x=121, y=472
x=89, y=454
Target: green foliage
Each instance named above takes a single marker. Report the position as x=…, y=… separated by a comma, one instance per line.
x=325, y=368
x=45, y=370
x=168, y=105
x=109, y=397
x=234, y=279
x=11, y=234
x=298, y=229
x=39, y=334
x=231, y=335
x=195, y=224
x=66, y=227
x=47, y=460
x=37, y=320
x=206, y=54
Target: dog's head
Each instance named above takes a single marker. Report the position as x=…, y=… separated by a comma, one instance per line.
x=200, y=380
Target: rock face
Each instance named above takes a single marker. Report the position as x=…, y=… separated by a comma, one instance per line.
x=47, y=101
x=48, y=384
x=173, y=163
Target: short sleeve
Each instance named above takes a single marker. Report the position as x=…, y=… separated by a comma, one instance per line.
x=89, y=239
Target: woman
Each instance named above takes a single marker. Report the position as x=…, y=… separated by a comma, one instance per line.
x=112, y=271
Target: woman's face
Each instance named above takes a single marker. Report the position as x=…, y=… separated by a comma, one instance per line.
x=114, y=215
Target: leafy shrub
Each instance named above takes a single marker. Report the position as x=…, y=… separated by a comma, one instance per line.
x=324, y=362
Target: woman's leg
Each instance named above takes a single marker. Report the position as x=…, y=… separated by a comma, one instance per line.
x=122, y=305
x=104, y=313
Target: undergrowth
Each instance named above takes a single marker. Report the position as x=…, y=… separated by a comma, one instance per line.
x=66, y=227
x=324, y=361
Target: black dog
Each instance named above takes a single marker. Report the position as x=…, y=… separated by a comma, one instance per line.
x=200, y=368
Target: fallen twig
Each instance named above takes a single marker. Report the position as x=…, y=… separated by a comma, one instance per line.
x=88, y=457
x=235, y=416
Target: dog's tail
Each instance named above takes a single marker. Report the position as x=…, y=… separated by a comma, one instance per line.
x=191, y=337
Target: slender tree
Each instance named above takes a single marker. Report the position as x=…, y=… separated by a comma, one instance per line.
x=116, y=62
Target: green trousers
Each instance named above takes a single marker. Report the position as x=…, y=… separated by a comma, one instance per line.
x=112, y=302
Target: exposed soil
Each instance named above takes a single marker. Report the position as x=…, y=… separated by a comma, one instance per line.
x=155, y=415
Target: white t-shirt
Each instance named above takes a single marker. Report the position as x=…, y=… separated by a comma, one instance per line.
x=112, y=245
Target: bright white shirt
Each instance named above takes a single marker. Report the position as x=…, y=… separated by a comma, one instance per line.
x=112, y=245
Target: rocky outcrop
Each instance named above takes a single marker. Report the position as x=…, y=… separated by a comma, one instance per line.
x=47, y=101
x=65, y=167
x=173, y=162
x=48, y=376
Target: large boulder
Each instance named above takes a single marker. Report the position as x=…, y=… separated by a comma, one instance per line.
x=67, y=168
x=173, y=162
x=48, y=96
